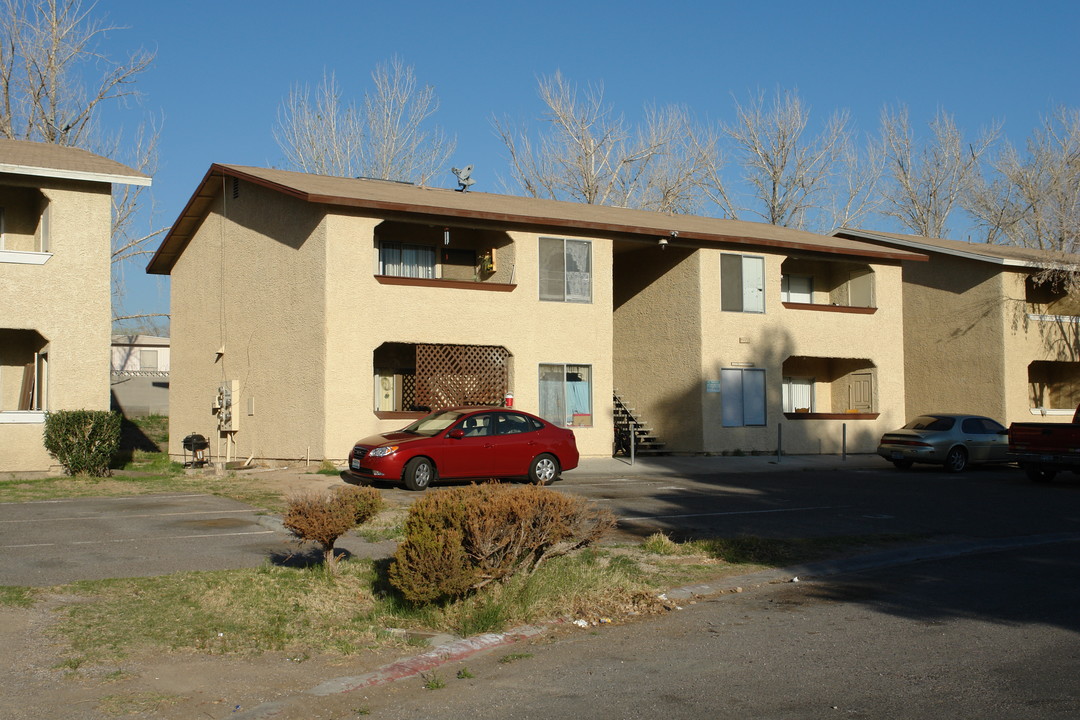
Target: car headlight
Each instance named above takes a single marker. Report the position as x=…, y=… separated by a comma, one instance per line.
x=383, y=451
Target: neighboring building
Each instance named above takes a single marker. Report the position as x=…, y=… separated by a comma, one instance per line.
x=309, y=311
x=981, y=335
x=140, y=375
x=55, y=317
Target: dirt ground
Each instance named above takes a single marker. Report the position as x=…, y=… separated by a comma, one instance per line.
x=36, y=680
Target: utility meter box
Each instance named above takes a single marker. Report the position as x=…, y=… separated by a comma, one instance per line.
x=225, y=405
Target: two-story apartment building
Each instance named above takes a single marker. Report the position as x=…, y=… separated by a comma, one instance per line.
x=55, y=318
x=981, y=334
x=308, y=311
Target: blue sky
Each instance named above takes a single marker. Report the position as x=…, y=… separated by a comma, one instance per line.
x=223, y=68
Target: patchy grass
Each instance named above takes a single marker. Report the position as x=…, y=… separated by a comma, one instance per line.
x=154, y=428
x=136, y=703
x=245, y=489
x=433, y=681
x=514, y=657
x=387, y=525
x=16, y=596
x=153, y=463
x=308, y=612
x=303, y=612
x=328, y=468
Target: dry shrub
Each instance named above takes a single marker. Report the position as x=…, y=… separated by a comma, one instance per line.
x=324, y=517
x=460, y=539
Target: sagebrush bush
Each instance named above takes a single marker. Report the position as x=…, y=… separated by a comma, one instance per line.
x=324, y=517
x=460, y=539
x=83, y=441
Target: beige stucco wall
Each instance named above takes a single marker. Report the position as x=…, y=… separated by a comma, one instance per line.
x=768, y=339
x=969, y=339
x=67, y=301
x=657, y=320
x=954, y=319
x=673, y=340
x=292, y=295
x=250, y=281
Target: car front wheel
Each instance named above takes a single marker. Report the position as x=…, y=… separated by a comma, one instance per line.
x=956, y=460
x=544, y=469
x=419, y=473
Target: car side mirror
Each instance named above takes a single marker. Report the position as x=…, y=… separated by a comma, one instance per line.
x=456, y=434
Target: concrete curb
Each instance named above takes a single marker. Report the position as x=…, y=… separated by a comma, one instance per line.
x=409, y=667
x=457, y=650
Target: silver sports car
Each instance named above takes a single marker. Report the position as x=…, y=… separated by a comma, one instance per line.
x=954, y=441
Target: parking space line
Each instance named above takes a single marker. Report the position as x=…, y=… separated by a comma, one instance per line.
x=139, y=539
x=125, y=515
x=719, y=514
x=60, y=501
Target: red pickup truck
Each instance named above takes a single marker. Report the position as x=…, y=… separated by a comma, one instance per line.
x=1042, y=449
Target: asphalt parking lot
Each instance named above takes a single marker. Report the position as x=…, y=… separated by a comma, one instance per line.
x=60, y=541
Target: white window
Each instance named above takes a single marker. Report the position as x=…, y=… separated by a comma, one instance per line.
x=742, y=397
x=742, y=283
x=566, y=394
x=402, y=260
x=148, y=359
x=798, y=394
x=565, y=270
x=797, y=288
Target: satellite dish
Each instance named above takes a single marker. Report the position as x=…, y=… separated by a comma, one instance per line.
x=464, y=181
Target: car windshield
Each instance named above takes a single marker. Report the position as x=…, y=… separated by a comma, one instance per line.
x=930, y=422
x=433, y=424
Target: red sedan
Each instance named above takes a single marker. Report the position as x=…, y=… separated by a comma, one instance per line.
x=467, y=443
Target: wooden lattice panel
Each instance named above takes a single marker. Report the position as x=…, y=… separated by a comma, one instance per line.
x=449, y=375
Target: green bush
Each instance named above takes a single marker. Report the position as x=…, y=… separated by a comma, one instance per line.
x=83, y=441
x=324, y=517
x=459, y=539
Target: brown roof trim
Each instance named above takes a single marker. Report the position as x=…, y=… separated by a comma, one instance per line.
x=505, y=210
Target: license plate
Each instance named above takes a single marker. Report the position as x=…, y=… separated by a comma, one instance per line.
x=354, y=464
x=896, y=455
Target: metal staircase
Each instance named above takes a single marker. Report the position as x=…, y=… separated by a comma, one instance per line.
x=628, y=425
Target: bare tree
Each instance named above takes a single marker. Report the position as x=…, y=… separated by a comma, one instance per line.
x=586, y=153
x=319, y=134
x=54, y=81
x=927, y=179
x=54, y=78
x=796, y=180
x=386, y=137
x=1033, y=199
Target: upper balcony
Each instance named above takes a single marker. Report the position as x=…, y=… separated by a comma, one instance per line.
x=1050, y=301
x=451, y=257
x=24, y=226
x=827, y=286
